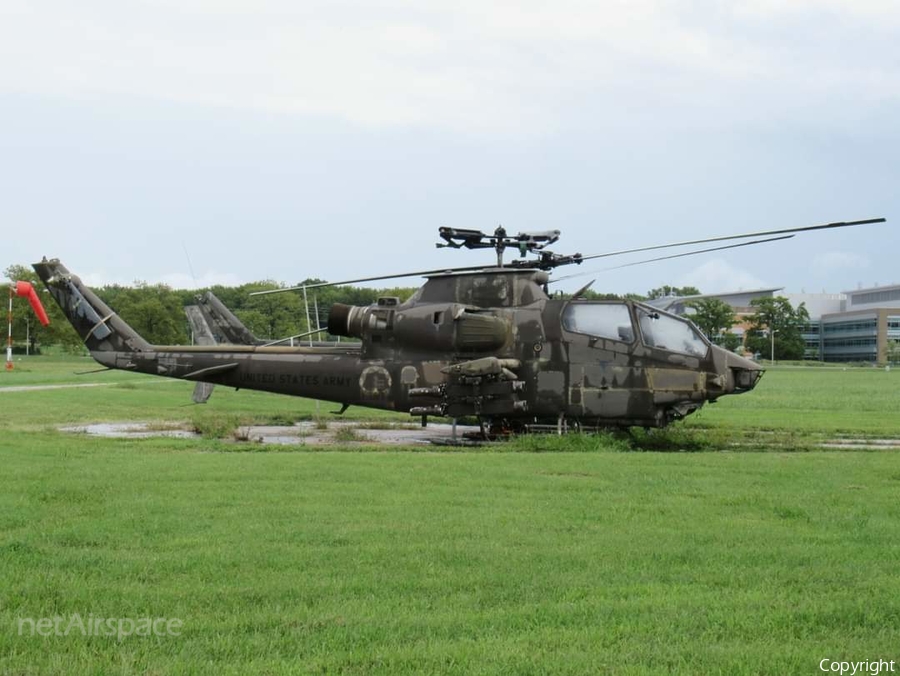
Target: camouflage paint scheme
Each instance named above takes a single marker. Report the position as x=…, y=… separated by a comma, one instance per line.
x=489, y=343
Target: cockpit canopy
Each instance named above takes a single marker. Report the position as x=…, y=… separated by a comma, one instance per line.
x=617, y=321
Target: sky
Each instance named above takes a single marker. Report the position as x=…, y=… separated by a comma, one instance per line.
x=224, y=141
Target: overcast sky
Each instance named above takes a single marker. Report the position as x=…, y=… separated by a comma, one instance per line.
x=287, y=140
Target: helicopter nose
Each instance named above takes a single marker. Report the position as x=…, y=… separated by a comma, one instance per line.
x=735, y=373
x=745, y=379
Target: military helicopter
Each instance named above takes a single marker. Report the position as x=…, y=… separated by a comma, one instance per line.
x=489, y=343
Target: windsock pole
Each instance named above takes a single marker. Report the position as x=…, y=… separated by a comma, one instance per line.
x=9, y=361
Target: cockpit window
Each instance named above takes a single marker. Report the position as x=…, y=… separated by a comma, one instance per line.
x=604, y=320
x=670, y=333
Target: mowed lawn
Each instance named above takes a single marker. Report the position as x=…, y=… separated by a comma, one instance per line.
x=853, y=400
x=424, y=561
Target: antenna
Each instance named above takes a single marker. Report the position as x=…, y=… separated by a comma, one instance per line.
x=190, y=267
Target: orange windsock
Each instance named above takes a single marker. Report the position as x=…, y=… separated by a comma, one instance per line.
x=26, y=290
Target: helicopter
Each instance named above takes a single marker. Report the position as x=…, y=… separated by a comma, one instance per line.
x=484, y=342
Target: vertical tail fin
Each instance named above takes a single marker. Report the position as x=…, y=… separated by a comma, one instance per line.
x=101, y=329
x=223, y=322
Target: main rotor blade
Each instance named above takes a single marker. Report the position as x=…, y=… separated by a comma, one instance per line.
x=664, y=258
x=761, y=233
x=474, y=268
x=420, y=273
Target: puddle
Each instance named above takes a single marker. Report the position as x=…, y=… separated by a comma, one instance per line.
x=850, y=443
x=307, y=433
x=312, y=434
x=34, y=388
x=350, y=433
x=129, y=430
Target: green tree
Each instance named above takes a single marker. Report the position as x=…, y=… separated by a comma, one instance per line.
x=731, y=341
x=155, y=311
x=597, y=295
x=273, y=316
x=777, y=315
x=666, y=290
x=893, y=351
x=712, y=316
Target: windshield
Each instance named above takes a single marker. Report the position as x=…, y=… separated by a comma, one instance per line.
x=604, y=320
x=667, y=332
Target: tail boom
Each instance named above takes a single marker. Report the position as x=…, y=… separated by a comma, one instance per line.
x=330, y=374
x=335, y=373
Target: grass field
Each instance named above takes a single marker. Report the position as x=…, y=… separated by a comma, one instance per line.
x=545, y=555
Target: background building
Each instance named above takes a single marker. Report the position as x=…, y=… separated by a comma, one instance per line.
x=863, y=328
x=861, y=325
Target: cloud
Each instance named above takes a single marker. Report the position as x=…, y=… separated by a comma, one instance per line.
x=878, y=10
x=179, y=280
x=839, y=260
x=719, y=276
x=503, y=67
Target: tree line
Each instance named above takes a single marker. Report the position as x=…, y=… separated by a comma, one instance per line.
x=156, y=311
